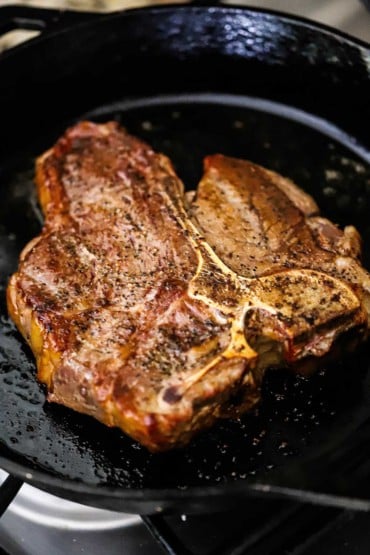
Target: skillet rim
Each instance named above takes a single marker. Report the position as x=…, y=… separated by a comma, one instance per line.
x=290, y=18
x=160, y=499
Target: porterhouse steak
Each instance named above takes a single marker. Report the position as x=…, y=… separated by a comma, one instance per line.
x=159, y=312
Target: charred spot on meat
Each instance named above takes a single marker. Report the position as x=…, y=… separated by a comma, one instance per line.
x=153, y=310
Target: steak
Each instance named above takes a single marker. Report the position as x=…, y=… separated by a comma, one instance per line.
x=159, y=312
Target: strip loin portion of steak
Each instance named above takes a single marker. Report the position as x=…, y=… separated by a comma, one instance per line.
x=153, y=314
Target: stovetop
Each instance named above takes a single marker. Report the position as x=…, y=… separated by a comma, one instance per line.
x=37, y=523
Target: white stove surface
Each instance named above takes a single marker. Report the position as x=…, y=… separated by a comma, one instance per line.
x=37, y=523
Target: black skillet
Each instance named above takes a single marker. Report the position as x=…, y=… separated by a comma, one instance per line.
x=192, y=81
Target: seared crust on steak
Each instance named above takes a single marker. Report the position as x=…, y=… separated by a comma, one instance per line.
x=152, y=315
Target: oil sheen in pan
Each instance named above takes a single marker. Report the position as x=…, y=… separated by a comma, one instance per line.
x=297, y=416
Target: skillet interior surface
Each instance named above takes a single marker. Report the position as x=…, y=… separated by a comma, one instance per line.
x=299, y=421
x=297, y=417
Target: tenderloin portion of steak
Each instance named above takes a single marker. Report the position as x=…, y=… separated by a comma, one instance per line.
x=151, y=314
x=259, y=223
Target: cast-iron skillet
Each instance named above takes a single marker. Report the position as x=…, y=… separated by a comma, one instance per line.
x=192, y=81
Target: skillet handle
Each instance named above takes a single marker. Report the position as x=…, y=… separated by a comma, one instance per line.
x=39, y=19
